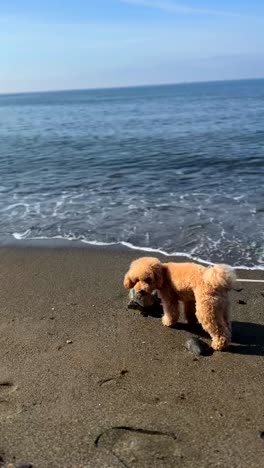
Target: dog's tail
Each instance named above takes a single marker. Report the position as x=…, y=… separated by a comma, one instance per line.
x=220, y=276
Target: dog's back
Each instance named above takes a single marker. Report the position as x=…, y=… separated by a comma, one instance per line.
x=184, y=276
x=188, y=276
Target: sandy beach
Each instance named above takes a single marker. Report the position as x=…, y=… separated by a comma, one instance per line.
x=85, y=382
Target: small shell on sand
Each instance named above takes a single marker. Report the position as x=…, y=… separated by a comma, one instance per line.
x=198, y=347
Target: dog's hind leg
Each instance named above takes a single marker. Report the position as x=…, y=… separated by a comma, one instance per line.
x=211, y=313
x=189, y=312
x=226, y=312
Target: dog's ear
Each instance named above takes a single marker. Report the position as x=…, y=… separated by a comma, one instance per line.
x=158, y=272
x=128, y=284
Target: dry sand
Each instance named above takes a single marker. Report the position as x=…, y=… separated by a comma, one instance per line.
x=123, y=391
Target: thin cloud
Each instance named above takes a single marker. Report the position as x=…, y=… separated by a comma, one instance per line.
x=171, y=7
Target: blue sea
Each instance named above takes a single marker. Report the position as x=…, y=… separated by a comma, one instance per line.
x=176, y=168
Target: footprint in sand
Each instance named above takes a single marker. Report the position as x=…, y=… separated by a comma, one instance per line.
x=8, y=406
x=135, y=448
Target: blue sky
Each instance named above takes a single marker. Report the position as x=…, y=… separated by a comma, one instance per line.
x=72, y=44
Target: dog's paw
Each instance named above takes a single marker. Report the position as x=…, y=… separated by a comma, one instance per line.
x=167, y=321
x=220, y=342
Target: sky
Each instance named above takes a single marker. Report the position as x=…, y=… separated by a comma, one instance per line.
x=75, y=44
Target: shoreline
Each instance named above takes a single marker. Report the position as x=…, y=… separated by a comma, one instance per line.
x=83, y=378
x=64, y=243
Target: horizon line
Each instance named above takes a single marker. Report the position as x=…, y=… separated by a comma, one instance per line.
x=106, y=88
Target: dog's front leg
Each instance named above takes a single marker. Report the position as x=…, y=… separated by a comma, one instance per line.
x=170, y=308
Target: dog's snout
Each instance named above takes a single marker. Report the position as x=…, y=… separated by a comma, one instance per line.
x=142, y=292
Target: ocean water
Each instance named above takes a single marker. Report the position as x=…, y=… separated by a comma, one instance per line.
x=174, y=168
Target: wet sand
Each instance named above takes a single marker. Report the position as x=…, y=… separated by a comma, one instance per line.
x=85, y=382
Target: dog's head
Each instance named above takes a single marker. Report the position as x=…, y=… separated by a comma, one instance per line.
x=144, y=275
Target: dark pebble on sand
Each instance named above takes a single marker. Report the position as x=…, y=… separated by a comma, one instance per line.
x=262, y=294
x=261, y=435
x=197, y=347
x=25, y=465
x=238, y=290
x=5, y=383
x=124, y=372
x=240, y=301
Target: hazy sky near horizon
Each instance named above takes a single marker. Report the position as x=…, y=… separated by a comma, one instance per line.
x=66, y=44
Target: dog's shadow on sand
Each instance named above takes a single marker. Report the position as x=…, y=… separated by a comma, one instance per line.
x=247, y=337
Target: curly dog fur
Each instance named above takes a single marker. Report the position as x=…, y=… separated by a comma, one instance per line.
x=202, y=290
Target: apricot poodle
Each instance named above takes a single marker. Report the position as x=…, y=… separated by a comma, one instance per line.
x=202, y=290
